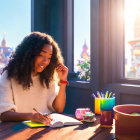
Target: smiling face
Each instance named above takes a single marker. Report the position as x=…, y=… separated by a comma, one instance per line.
x=43, y=59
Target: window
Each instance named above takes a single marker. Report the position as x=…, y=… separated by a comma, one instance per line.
x=132, y=39
x=82, y=38
x=70, y=39
x=15, y=24
x=107, y=50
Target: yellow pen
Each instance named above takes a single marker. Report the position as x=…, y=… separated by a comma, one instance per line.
x=109, y=94
x=106, y=94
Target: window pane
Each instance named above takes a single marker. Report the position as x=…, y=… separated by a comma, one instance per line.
x=132, y=39
x=82, y=38
x=15, y=24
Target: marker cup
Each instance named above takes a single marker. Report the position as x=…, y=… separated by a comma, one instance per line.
x=106, y=106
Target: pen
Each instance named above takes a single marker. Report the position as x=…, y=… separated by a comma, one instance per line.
x=98, y=93
x=106, y=94
x=42, y=114
x=93, y=95
x=109, y=94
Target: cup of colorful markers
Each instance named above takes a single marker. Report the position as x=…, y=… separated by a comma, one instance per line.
x=104, y=104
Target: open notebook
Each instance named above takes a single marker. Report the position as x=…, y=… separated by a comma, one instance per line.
x=58, y=120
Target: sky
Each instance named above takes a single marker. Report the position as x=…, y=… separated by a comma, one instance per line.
x=15, y=20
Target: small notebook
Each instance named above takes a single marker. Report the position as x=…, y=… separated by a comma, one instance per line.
x=58, y=120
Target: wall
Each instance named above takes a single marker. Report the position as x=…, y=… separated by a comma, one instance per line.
x=47, y=16
x=78, y=98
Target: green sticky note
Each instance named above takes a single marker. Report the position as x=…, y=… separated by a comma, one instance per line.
x=33, y=124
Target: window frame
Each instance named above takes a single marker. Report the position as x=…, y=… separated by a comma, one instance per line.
x=69, y=43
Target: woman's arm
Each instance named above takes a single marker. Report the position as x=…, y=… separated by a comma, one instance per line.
x=60, y=100
x=15, y=116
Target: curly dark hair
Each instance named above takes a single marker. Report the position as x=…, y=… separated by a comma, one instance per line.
x=22, y=62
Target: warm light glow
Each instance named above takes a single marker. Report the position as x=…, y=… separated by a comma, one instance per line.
x=132, y=39
x=131, y=9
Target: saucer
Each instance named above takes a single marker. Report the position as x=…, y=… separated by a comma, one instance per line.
x=93, y=120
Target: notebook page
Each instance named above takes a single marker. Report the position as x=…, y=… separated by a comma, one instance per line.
x=65, y=119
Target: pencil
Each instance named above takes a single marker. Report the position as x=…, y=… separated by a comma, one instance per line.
x=42, y=114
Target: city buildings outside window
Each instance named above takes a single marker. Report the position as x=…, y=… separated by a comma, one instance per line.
x=5, y=52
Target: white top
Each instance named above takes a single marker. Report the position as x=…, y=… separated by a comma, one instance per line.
x=13, y=96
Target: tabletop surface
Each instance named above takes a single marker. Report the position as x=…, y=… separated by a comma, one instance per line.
x=86, y=131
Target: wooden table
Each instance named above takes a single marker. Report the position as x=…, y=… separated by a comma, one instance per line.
x=86, y=131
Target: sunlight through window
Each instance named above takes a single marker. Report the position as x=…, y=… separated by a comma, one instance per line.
x=132, y=39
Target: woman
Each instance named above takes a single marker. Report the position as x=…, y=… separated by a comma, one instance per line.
x=30, y=80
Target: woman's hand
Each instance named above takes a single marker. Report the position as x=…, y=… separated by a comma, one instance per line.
x=36, y=117
x=62, y=71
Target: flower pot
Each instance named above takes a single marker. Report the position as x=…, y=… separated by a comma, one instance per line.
x=127, y=121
